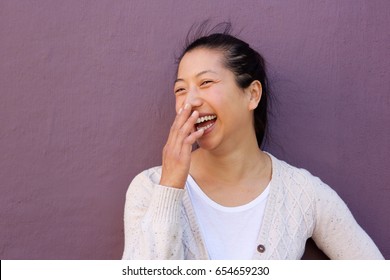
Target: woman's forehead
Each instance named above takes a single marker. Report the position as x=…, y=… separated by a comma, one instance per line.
x=199, y=61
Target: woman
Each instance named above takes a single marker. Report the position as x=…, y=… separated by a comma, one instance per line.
x=228, y=199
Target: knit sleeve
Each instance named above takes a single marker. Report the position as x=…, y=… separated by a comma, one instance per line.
x=336, y=231
x=152, y=220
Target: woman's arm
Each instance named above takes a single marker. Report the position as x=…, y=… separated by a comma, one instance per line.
x=336, y=232
x=152, y=210
x=152, y=220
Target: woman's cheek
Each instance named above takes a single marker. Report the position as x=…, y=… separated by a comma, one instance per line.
x=181, y=100
x=179, y=104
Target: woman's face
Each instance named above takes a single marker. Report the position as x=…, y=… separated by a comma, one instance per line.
x=210, y=88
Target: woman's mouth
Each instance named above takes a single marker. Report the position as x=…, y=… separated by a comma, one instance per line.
x=205, y=122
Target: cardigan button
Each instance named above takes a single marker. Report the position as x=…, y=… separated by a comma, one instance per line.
x=261, y=248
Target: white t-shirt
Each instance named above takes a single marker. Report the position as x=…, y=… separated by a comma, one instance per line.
x=228, y=232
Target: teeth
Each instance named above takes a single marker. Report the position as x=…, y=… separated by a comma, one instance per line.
x=205, y=127
x=205, y=118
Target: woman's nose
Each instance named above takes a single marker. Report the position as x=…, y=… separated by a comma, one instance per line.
x=193, y=98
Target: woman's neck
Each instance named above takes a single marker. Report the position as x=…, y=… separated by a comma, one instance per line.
x=244, y=162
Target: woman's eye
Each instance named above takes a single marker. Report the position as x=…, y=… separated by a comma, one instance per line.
x=206, y=82
x=179, y=90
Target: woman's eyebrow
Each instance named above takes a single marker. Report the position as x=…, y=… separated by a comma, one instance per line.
x=197, y=75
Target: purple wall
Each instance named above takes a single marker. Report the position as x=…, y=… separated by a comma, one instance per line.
x=86, y=103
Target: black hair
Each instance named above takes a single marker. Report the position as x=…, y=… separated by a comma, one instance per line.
x=246, y=64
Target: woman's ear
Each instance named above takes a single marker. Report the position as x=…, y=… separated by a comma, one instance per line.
x=254, y=91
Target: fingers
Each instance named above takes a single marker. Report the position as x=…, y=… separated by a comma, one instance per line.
x=181, y=117
x=187, y=127
x=193, y=137
x=183, y=134
x=177, y=151
x=183, y=125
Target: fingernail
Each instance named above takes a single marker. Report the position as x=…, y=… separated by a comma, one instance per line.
x=187, y=106
x=193, y=113
x=180, y=110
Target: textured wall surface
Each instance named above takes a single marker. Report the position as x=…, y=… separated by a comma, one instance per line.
x=86, y=102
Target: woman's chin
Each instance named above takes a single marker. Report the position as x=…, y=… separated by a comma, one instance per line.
x=206, y=144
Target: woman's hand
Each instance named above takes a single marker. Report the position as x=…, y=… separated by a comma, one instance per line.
x=177, y=151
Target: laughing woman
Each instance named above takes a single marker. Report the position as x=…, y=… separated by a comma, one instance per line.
x=228, y=199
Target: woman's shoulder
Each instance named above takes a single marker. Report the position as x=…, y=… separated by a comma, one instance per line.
x=294, y=178
x=143, y=183
x=149, y=176
x=294, y=185
x=286, y=170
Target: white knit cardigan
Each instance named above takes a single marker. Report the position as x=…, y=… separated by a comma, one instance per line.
x=160, y=222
